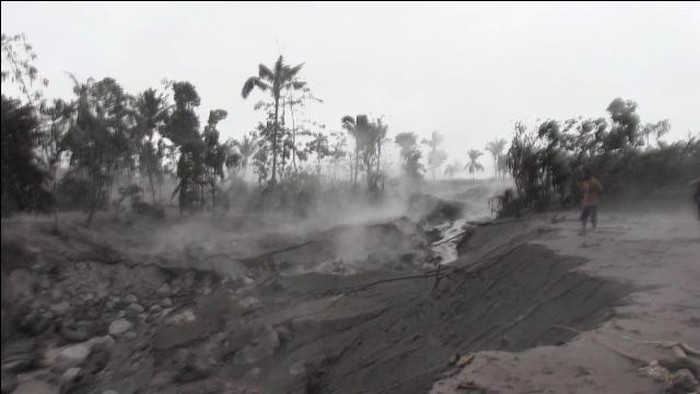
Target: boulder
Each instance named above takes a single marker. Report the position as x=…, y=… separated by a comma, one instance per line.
x=119, y=327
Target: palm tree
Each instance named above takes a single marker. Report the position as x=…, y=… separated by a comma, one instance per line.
x=474, y=166
x=495, y=148
x=151, y=112
x=246, y=147
x=281, y=79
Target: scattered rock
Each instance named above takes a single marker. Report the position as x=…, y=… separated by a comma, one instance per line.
x=35, y=387
x=79, y=333
x=166, y=302
x=119, y=327
x=130, y=299
x=67, y=357
x=297, y=368
x=135, y=308
x=70, y=375
x=61, y=308
x=195, y=369
x=109, y=305
x=164, y=290
x=185, y=316
x=682, y=382
x=155, y=309
x=110, y=392
x=45, y=283
x=250, y=303
x=263, y=347
x=284, y=334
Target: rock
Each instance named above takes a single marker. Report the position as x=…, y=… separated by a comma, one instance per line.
x=262, y=347
x=250, y=303
x=164, y=290
x=284, y=334
x=9, y=382
x=135, y=308
x=99, y=343
x=119, y=327
x=121, y=314
x=76, y=334
x=297, y=368
x=165, y=312
x=248, y=281
x=166, y=302
x=70, y=375
x=110, y=392
x=36, y=387
x=186, y=316
x=35, y=323
x=130, y=299
x=70, y=356
x=45, y=283
x=155, y=309
x=61, y=308
x=109, y=305
x=21, y=282
x=682, y=382
x=194, y=369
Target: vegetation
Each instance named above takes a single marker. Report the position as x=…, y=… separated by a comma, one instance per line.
x=104, y=144
x=546, y=163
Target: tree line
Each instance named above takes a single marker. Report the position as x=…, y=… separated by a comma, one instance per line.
x=73, y=153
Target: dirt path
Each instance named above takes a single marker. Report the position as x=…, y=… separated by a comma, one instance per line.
x=660, y=257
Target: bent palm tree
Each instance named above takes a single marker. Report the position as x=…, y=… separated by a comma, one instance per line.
x=282, y=78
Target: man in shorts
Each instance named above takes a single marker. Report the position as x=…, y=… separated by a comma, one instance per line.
x=591, y=191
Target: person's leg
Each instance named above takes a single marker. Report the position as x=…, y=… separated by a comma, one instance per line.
x=594, y=216
x=584, y=218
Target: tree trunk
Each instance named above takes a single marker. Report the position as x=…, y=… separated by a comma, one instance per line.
x=93, y=204
x=213, y=199
x=55, y=196
x=274, y=141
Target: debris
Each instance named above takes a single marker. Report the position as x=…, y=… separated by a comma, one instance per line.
x=655, y=371
x=682, y=382
x=119, y=327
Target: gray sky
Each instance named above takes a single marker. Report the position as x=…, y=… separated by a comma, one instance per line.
x=467, y=69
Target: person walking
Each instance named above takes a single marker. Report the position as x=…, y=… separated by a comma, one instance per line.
x=589, y=207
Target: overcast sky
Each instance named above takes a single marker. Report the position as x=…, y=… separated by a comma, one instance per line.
x=467, y=69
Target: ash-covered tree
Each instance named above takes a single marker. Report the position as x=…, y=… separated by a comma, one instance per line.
x=369, y=138
x=496, y=148
x=318, y=146
x=99, y=139
x=59, y=118
x=215, y=154
x=436, y=156
x=410, y=155
x=151, y=112
x=473, y=166
x=277, y=80
x=183, y=130
x=23, y=179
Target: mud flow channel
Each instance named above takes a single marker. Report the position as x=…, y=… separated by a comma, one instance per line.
x=346, y=310
x=397, y=337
